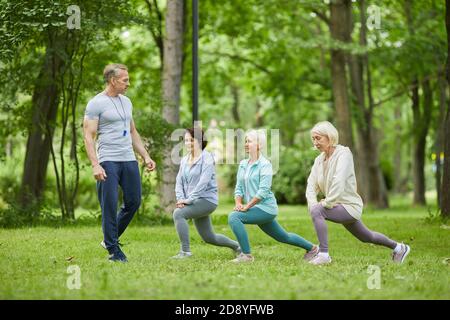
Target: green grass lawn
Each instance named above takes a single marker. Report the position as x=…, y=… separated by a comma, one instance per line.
x=34, y=262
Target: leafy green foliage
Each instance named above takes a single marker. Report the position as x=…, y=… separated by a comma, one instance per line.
x=289, y=184
x=266, y=61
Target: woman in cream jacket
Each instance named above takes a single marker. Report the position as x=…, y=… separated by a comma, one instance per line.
x=333, y=176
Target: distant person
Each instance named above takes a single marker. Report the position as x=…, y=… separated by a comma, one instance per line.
x=196, y=192
x=333, y=175
x=255, y=202
x=109, y=117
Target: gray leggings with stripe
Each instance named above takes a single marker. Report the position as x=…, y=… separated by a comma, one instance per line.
x=338, y=214
x=199, y=211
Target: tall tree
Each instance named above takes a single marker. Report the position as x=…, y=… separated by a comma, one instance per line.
x=155, y=26
x=374, y=187
x=235, y=107
x=70, y=83
x=172, y=74
x=445, y=200
x=45, y=102
x=339, y=15
x=421, y=118
x=439, y=140
x=50, y=30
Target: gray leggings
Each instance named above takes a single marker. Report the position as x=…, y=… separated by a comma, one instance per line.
x=199, y=211
x=338, y=214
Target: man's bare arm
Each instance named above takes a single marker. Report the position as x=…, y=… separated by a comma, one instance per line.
x=138, y=145
x=90, y=133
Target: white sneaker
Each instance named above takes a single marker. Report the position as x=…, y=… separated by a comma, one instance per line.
x=182, y=255
x=399, y=257
x=243, y=258
x=311, y=254
x=237, y=252
x=320, y=259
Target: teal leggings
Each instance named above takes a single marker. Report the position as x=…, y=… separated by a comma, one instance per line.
x=267, y=223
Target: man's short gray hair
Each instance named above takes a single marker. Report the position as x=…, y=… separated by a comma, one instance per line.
x=111, y=70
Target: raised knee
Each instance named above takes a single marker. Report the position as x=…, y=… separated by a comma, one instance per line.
x=233, y=218
x=316, y=211
x=177, y=214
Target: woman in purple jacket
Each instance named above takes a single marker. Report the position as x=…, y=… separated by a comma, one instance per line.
x=196, y=192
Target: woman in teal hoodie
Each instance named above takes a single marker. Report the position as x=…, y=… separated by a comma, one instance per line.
x=254, y=181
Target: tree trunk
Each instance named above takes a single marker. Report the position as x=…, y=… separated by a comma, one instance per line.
x=445, y=200
x=418, y=150
x=44, y=107
x=235, y=107
x=371, y=182
x=339, y=32
x=172, y=72
x=445, y=193
x=362, y=165
x=421, y=120
x=155, y=26
x=259, y=119
x=421, y=124
x=438, y=146
x=398, y=185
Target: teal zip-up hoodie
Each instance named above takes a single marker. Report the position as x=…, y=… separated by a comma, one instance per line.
x=257, y=185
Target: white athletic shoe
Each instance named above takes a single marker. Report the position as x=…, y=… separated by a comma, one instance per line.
x=311, y=254
x=400, y=256
x=320, y=260
x=182, y=255
x=237, y=252
x=242, y=258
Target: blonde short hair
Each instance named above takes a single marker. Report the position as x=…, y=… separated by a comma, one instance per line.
x=325, y=128
x=260, y=136
x=111, y=70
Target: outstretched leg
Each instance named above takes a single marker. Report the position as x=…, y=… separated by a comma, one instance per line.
x=361, y=232
x=276, y=231
x=338, y=214
x=206, y=231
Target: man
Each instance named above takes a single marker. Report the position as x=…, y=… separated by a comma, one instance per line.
x=109, y=117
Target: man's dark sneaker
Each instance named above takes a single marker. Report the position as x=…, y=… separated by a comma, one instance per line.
x=118, y=255
x=104, y=245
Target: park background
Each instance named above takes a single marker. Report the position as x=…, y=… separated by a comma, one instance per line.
x=377, y=69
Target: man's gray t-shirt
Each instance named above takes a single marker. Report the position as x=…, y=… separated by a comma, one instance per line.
x=114, y=115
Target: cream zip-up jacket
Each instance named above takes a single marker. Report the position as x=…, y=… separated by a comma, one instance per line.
x=336, y=180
